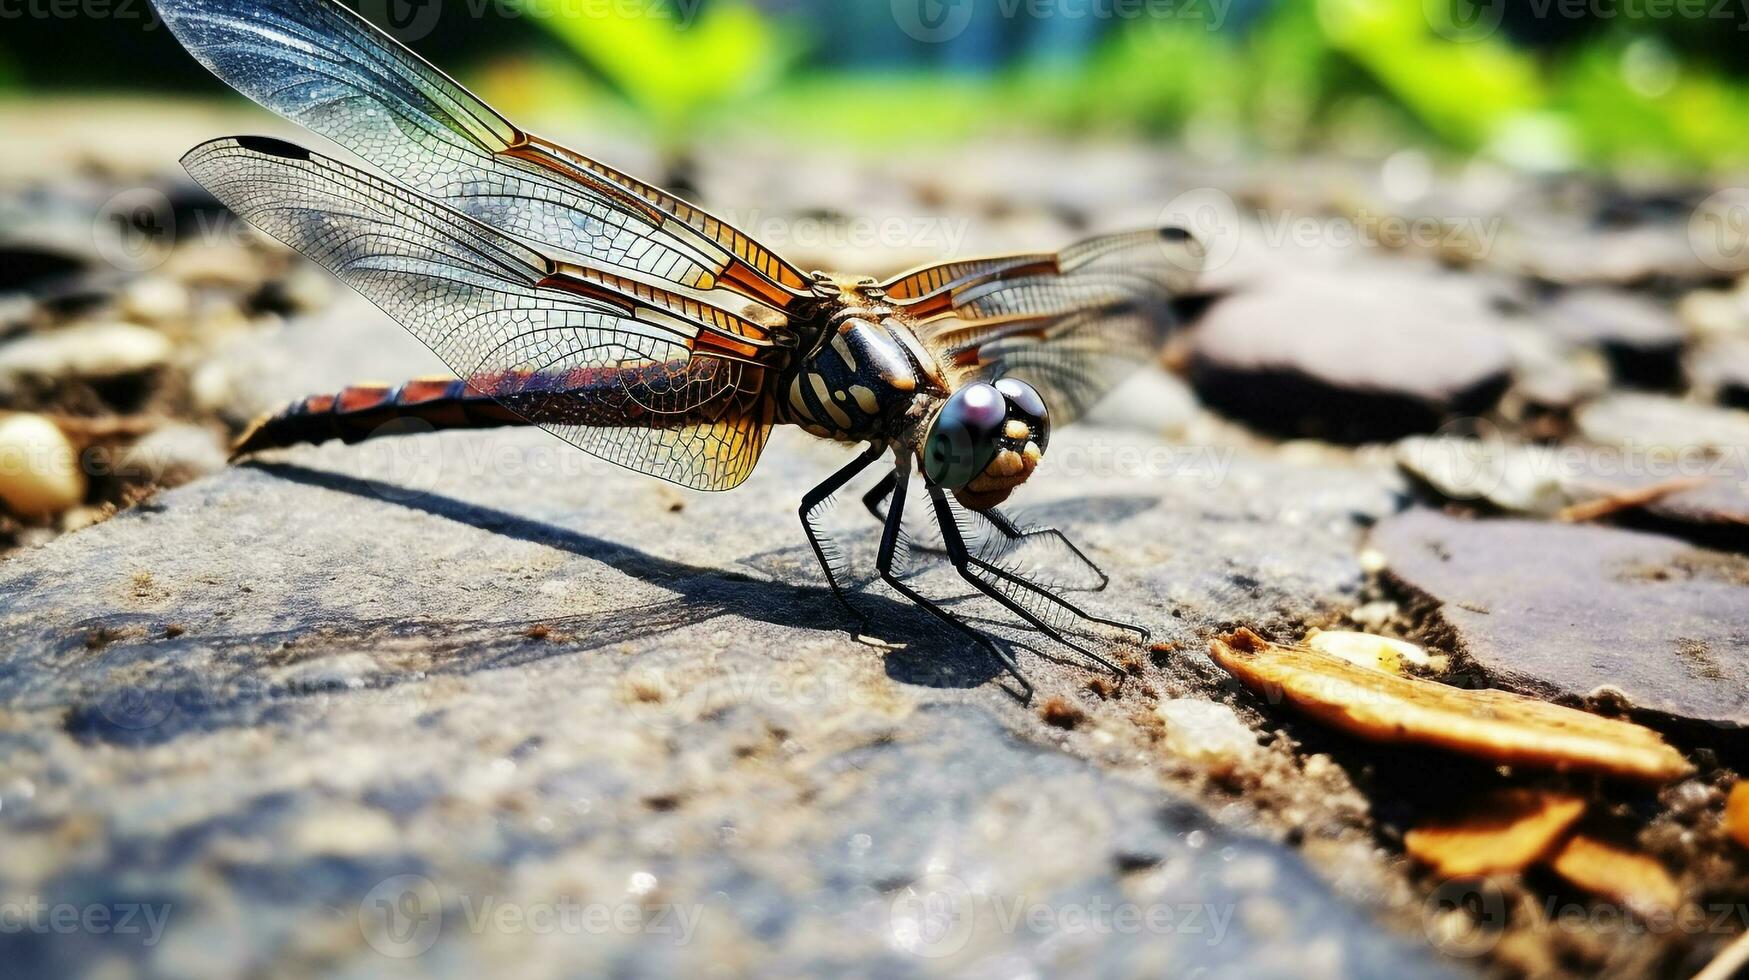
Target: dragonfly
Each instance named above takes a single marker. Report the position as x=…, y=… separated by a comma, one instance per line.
x=565, y=294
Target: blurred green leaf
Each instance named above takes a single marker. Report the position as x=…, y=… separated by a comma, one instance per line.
x=1629, y=112
x=672, y=70
x=1464, y=91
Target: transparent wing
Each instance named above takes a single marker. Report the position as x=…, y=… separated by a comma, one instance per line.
x=1072, y=325
x=626, y=375
x=326, y=68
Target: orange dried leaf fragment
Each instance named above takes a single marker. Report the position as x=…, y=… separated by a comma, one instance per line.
x=1500, y=726
x=1737, y=813
x=1634, y=881
x=1505, y=832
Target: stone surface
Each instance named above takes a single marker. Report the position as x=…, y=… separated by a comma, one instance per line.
x=1350, y=357
x=1574, y=611
x=1722, y=368
x=1693, y=494
x=324, y=711
x=1642, y=339
x=1550, y=375
x=1653, y=422
x=331, y=710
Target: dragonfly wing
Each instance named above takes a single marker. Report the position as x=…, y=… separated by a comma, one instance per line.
x=623, y=375
x=1072, y=325
x=323, y=66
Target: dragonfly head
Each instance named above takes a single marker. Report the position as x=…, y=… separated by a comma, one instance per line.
x=986, y=440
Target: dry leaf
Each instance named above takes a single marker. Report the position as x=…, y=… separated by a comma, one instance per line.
x=1496, y=725
x=1507, y=831
x=1737, y=813
x=1635, y=881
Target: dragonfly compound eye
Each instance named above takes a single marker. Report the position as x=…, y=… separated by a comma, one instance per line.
x=1029, y=407
x=964, y=437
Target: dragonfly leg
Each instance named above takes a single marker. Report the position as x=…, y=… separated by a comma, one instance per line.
x=877, y=496
x=814, y=502
x=1142, y=632
x=1012, y=532
x=884, y=564
x=964, y=562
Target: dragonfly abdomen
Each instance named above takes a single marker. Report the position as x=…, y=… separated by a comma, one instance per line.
x=646, y=395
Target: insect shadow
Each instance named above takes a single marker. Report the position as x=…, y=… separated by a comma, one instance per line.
x=928, y=655
x=202, y=681
x=706, y=592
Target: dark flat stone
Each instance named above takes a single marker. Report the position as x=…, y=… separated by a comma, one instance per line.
x=1567, y=611
x=1642, y=340
x=1723, y=368
x=1349, y=357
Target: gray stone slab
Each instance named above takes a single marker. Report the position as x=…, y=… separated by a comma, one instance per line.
x=1362, y=355
x=1575, y=610
x=484, y=679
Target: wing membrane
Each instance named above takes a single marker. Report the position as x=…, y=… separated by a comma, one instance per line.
x=623, y=375
x=1073, y=324
x=326, y=68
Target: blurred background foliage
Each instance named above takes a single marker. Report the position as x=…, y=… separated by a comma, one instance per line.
x=1660, y=85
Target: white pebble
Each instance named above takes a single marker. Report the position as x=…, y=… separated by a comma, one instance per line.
x=155, y=299
x=39, y=467
x=1367, y=650
x=1206, y=733
x=92, y=350
x=1374, y=613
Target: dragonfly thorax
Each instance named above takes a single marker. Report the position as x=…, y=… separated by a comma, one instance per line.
x=864, y=378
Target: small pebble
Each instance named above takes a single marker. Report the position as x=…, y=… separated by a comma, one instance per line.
x=1206, y=733
x=1367, y=650
x=348, y=831
x=1713, y=313
x=1374, y=613
x=92, y=350
x=307, y=287
x=215, y=265
x=155, y=299
x=39, y=467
